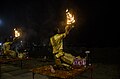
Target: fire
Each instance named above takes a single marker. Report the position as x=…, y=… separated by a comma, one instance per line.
x=17, y=34
x=70, y=18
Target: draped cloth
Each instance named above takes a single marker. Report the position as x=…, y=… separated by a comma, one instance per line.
x=57, y=45
x=7, y=51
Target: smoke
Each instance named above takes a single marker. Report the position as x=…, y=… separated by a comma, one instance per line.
x=28, y=33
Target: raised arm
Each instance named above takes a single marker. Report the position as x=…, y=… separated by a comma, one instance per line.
x=68, y=28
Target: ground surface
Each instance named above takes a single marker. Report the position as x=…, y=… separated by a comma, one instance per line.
x=13, y=70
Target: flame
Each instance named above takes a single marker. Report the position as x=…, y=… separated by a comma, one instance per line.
x=70, y=17
x=17, y=34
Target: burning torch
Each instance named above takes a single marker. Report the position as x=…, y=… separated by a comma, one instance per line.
x=70, y=21
x=16, y=33
x=70, y=18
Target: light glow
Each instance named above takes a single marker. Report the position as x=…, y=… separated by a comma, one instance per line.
x=70, y=18
x=17, y=33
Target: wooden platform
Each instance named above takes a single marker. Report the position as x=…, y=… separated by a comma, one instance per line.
x=4, y=60
x=45, y=70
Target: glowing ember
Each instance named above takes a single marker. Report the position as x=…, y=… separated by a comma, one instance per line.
x=17, y=34
x=70, y=17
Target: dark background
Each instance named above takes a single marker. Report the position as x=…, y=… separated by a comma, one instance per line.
x=95, y=25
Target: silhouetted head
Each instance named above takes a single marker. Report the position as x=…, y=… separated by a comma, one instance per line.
x=58, y=30
x=7, y=39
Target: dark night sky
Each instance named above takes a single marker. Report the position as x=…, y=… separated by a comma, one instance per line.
x=93, y=20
